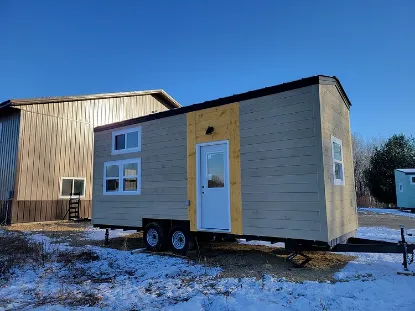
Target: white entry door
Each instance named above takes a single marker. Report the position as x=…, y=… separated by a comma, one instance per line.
x=213, y=184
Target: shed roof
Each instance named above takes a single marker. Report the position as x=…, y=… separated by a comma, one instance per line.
x=406, y=170
x=279, y=88
x=45, y=100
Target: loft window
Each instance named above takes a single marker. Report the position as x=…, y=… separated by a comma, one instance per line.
x=125, y=141
x=72, y=186
x=412, y=179
x=122, y=177
x=338, y=164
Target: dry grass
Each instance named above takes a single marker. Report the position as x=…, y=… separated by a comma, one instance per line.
x=17, y=251
x=236, y=260
x=239, y=260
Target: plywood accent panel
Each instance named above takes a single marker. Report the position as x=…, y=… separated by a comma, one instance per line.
x=225, y=120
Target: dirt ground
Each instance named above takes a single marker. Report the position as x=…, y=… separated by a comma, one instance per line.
x=367, y=219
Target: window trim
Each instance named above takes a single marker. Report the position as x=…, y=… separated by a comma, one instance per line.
x=73, y=178
x=400, y=187
x=126, y=150
x=337, y=182
x=410, y=179
x=121, y=177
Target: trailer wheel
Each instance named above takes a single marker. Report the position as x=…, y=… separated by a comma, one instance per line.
x=154, y=237
x=179, y=240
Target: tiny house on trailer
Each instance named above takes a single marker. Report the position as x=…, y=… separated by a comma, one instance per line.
x=405, y=188
x=272, y=164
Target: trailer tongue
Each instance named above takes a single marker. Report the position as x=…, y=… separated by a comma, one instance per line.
x=358, y=245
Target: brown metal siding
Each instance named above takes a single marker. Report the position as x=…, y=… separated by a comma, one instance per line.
x=56, y=140
x=9, y=141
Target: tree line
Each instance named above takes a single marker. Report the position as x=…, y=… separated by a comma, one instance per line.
x=375, y=161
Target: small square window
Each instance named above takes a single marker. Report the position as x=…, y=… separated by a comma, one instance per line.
x=125, y=141
x=132, y=140
x=112, y=184
x=66, y=187
x=130, y=169
x=112, y=171
x=79, y=187
x=72, y=186
x=413, y=180
x=130, y=184
x=120, y=142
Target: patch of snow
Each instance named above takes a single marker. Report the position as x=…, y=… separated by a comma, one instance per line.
x=262, y=243
x=385, y=234
x=153, y=282
x=385, y=211
x=96, y=234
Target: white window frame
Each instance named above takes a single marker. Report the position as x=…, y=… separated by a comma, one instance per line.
x=121, y=177
x=400, y=187
x=73, y=179
x=125, y=132
x=337, y=182
x=410, y=179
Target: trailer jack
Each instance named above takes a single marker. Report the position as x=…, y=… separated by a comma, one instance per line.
x=294, y=254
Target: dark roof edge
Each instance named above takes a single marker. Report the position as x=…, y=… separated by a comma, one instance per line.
x=221, y=101
x=32, y=101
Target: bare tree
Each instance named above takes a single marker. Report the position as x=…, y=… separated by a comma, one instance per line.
x=363, y=150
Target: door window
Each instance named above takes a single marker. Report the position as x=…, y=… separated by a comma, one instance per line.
x=216, y=170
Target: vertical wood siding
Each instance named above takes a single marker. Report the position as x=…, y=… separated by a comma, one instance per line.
x=56, y=140
x=281, y=196
x=225, y=120
x=340, y=200
x=163, y=173
x=9, y=141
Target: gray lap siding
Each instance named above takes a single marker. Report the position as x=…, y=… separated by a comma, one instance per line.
x=280, y=165
x=163, y=171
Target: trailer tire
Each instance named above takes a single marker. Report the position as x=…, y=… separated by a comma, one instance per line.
x=154, y=237
x=179, y=240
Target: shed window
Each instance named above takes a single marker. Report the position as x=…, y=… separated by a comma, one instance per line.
x=122, y=177
x=400, y=188
x=412, y=180
x=72, y=186
x=125, y=141
x=338, y=165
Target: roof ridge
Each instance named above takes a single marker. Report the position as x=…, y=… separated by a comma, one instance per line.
x=55, y=99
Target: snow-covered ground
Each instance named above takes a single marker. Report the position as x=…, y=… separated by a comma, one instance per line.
x=385, y=211
x=120, y=280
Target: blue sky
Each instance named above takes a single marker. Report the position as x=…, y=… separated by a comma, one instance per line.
x=201, y=50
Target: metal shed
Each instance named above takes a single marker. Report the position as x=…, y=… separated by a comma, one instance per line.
x=273, y=163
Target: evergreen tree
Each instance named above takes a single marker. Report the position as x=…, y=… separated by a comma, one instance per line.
x=397, y=152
